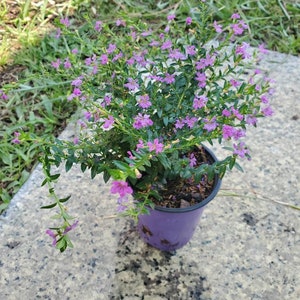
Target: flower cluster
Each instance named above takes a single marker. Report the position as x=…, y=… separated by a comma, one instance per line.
x=149, y=93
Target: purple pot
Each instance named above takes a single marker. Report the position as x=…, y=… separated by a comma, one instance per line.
x=169, y=229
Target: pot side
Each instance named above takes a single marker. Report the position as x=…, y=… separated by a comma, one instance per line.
x=169, y=229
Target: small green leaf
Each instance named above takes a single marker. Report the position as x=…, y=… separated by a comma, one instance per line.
x=49, y=206
x=64, y=199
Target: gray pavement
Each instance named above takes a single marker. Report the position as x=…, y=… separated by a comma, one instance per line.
x=245, y=247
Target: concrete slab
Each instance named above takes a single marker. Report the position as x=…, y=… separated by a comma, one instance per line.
x=245, y=247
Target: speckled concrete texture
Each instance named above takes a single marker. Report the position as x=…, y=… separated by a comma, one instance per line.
x=245, y=247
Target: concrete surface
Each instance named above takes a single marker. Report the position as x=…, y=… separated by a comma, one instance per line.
x=244, y=247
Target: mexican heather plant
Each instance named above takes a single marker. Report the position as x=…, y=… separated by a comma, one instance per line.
x=147, y=96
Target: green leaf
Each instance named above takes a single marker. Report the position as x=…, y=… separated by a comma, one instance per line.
x=62, y=200
x=49, y=206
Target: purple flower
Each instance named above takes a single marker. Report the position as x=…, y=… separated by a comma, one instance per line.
x=122, y=204
x=264, y=99
x=3, y=95
x=251, y=120
x=71, y=227
x=140, y=145
x=191, y=50
x=16, y=139
x=166, y=45
x=171, y=17
x=141, y=121
x=243, y=50
x=67, y=64
x=53, y=235
x=179, y=123
x=155, y=146
x=262, y=49
x=121, y=187
x=235, y=16
x=108, y=123
x=227, y=131
x=226, y=113
x=144, y=101
x=131, y=84
x=193, y=160
x=234, y=83
x=58, y=33
x=218, y=28
x=120, y=23
x=188, y=21
x=199, y=102
x=237, y=114
x=240, y=149
x=267, y=111
x=65, y=21
x=201, y=78
x=169, y=78
x=56, y=64
x=111, y=48
x=98, y=26
x=103, y=59
x=176, y=54
x=74, y=51
x=210, y=124
x=154, y=43
x=190, y=121
x=77, y=82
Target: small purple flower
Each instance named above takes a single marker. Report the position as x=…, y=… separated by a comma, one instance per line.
x=155, y=146
x=237, y=114
x=267, y=111
x=52, y=235
x=16, y=139
x=240, y=149
x=141, y=121
x=218, y=28
x=191, y=50
x=193, y=160
x=235, y=16
x=226, y=113
x=144, y=101
x=98, y=26
x=65, y=21
x=140, y=145
x=199, y=102
x=122, y=204
x=121, y=187
x=111, y=48
x=262, y=49
x=201, y=78
x=264, y=99
x=166, y=45
x=234, y=83
x=171, y=17
x=56, y=64
x=108, y=123
x=74, y=51
x=210, y=124
x=179, y=123
x=71, y=227
x=169, y=78
x=190, y=122
x=77, y=82
x=3, y=95
x=176, y=54
x=67, y=63
x=251, y=120
x=188, y=21
x=120, y=22
x=103, y=59
x=131, y=84
x=243, y=50
x=154, y=43
x=227, y=131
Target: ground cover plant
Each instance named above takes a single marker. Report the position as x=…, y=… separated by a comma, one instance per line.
x=26, y=50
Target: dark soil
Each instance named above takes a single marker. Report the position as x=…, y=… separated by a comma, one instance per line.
x=182, y=193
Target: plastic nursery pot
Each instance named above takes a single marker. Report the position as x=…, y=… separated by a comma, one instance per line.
x=169, y=229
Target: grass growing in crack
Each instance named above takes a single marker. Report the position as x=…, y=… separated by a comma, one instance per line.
x=38, y=102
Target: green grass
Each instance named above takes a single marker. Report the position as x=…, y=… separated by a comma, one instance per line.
x=37, y=102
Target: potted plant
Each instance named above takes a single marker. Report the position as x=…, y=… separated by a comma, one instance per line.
x=149, y=98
